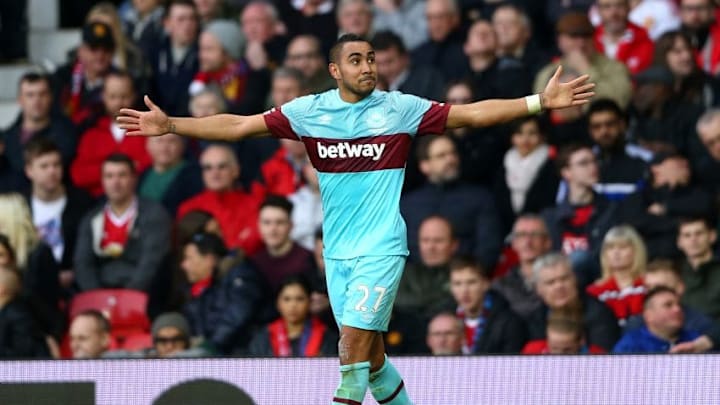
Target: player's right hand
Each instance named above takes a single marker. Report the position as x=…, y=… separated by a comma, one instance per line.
x=146, y=123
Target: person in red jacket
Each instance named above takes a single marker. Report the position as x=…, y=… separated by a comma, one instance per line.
x=564, y=336
x=235, y=210
x=623, y=259
x=106, y=138
x=620, y=39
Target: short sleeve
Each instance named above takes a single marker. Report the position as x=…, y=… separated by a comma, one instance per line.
x=422, y=116
x=279, y=125
x=434, y=121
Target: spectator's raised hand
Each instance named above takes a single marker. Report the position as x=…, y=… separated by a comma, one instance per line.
x=562, y=95
x=146, y=123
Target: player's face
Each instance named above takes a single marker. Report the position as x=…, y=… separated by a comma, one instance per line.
x=530, y=239
x=293, y=304
x=468, y=289
x=87, y=341
x=563, y=343
x=45, y=171
x=556, y=286
x=356, y=70
x=275, y=225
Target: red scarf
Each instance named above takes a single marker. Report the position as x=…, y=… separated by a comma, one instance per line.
x=72, y=108
x=310, y=340
x=232, y=79
x=198, y=288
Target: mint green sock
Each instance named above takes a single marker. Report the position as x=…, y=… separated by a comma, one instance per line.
x=353, y=383
x=387, y=386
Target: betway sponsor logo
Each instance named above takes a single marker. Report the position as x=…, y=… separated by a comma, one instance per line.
x=344, y=150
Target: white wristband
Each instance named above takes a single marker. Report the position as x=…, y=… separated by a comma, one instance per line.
x=534, y=105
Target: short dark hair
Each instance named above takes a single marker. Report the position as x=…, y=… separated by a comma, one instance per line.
x=708, y=222
x=422, y=149
x=386, y=40
x=37, y=147
x=100, y=319
x=120, y=74
x=563, y=157
x=121, y=158
x=468, y=262
x=277, y=201
x=564, y=323
x=184, y=3
x=319, y=233
x=663, y=265
x=35, y=77
x=337, y=48
x=517, y=124
x=657, y=291
x=605, y=105
x=208, y=244
x=296, y=279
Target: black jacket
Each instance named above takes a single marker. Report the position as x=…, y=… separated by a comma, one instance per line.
x=424, y=81
x=601, y=326
x=20, y=336
x=446, y=56
x=504, y=78
x=186, y=184
x=171, y=82
x=226, y=311
x=260, y=345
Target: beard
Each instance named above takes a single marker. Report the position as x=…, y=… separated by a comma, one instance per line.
x=360, y=88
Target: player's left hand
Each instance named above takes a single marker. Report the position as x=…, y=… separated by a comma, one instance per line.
x=563, y=95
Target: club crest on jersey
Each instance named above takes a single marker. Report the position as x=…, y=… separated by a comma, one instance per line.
x=376, y=119
x=344, y=150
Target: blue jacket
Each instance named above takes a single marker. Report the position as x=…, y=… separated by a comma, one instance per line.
x=694, y=320
x=643, y=341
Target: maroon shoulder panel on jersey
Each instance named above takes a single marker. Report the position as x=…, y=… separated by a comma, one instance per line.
x=434, y=120
x=358, y=155
x=279, y=125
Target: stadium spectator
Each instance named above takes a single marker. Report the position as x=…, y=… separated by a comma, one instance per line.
x=208, y=101
x=144, y=23
x=491, y=76
x=706, y=165
x=579, y=222
x=563, y=336
x=34, y=261
x=406, y=18
x=444, y=47
x=304, y=53
x=555, y=283
x=691, y=85
x=656, y=16
x=701, y=270
x=261, y=27
x=530, y=240
x=578, y=54
x=280, y=256
x=127, y=56
x=175, y=59
x=220, y=309
x=89, y=335
x=664, y=325
x=171, y=338
x=425, y=285
x=662, y=272
x=469, y=208
x=355, y=17
x=699, y=22
x=670, y=195
x=657, y=117
x=394, y=66
x=193, y=222
x=78, y=85
x=311, y=17
x=490, y=325
x=623, y=259
x=568, y=125
x=620, y=39
x=210, y=10
x=307, y=214
x=20, y=336
x=513, y=28
x=235, y=210
x=122, y=243
x=296, y=333
x=36, y=120
x=445, y=335
x=57, y=208
x=171, y=179
x=105, y=138
x=221, y=48
x=527, y=180
x=622, y=166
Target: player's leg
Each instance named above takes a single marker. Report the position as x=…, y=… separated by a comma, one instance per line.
x=386, y=384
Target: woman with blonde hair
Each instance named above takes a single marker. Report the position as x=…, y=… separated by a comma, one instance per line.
x=33, y=258
x=623, y=258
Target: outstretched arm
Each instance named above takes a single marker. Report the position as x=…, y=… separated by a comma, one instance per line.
x=221, y=127
x=490, y=112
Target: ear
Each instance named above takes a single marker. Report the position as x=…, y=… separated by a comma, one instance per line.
x=424, y=167
x=713, y=236
x=334, y=70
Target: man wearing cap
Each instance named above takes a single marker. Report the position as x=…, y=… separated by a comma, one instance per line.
x=78, y=85
x=578, y=53
x=221, y=48
x=171, y=337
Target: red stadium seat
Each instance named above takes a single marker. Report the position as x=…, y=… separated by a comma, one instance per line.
x=137, y=341
x=125, y=309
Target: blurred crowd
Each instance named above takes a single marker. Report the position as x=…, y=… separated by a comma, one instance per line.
x=591, y=229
